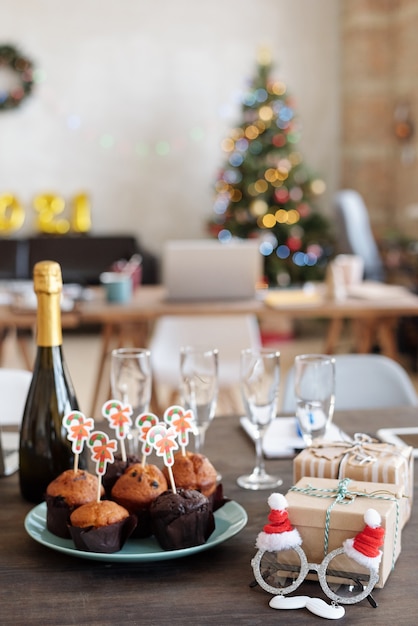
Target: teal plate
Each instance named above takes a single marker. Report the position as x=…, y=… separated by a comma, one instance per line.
x=230, y=519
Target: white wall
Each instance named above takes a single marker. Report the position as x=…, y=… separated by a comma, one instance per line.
x=146, y=71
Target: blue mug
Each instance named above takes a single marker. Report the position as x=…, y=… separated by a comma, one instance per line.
x=118, y=286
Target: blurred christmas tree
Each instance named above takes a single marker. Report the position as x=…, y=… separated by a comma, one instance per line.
x=266, y=191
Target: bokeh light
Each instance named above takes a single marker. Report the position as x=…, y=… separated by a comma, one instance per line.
x=258, y=207
x=162, y=148
x=266, y=248
x=283, y=252
x=261, y=185
x=318, y=186
x=251, y=132
x=224, y=236
x=266, y=113
x=278, y=88
x=228, y=145
x=261, y=95
x=236, y=159
x=221, y=204
x=255, y=148
x=269, y=221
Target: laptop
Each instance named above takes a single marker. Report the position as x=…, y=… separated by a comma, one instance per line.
x=206, y=269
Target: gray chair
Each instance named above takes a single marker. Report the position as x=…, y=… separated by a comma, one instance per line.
x=363, y=381
x=354, y=234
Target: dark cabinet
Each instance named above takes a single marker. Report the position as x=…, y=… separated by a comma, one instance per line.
x=82, y=258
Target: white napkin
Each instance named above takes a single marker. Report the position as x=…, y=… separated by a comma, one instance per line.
x=281, y=439
x=372, y=290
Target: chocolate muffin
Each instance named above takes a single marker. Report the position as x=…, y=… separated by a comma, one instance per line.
x=64, y=494
x=101, y=526
x=136, y=489
x=181, y=520
x=193, y=471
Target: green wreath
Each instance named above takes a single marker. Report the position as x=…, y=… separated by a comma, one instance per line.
x=12, y=59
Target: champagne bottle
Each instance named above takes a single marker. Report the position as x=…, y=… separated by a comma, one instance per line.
x=44, y=450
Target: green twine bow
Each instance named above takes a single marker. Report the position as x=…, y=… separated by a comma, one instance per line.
x=342, y=495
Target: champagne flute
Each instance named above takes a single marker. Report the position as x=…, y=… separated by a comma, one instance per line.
x=131, y=383
x=199, y=387
x=259, y=377
x=315, y=394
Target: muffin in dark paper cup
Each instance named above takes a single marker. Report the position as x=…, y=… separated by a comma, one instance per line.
x=116, y=469
x=182, y=520
x=136, y=489
x=101, y=527
x=193, y=471
x=64, y=494
x=217, y=498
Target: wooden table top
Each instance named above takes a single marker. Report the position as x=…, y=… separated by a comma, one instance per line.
x=41, y=586
x=149, y=302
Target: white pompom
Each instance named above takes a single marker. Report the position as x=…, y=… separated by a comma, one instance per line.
x=277, y=502
x=372, y=518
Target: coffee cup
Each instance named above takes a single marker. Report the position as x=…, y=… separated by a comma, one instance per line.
x=118, y=286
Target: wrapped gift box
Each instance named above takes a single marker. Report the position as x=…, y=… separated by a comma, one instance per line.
x=311, y=498
x=360, y=459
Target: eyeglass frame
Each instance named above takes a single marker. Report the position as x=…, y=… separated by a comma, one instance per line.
x=320, y=569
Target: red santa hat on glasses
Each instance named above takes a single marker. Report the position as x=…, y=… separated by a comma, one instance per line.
x=364, y=547
x=279, y=533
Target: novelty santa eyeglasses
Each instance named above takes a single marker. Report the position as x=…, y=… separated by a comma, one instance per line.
x=280, y=565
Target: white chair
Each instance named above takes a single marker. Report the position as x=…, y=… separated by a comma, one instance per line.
x=363, y=381
x=14, y=387
x=228, y=333
x=355, y=234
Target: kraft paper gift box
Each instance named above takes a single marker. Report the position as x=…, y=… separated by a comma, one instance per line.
x=311, y=498
x=364, y=459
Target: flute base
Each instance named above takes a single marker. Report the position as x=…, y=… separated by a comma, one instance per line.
x=259, y=480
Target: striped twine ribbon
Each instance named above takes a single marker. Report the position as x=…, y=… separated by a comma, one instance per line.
x=342, y=495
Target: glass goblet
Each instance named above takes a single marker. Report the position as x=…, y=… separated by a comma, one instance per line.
x=199, y=387
x=315, y=394
x=259, y=381
x=131, y=383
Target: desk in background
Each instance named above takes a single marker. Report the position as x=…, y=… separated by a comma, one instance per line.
x=374, y=320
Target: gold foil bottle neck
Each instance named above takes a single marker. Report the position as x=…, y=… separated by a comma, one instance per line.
x=47, y=277
x=47, y=284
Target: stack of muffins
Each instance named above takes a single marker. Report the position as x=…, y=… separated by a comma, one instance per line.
x=137, y=502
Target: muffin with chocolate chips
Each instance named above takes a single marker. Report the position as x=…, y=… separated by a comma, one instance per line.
x=64, y=494
x=116, y=469
x=136, y=489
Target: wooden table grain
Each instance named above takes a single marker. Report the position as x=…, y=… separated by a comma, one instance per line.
x=41, y=586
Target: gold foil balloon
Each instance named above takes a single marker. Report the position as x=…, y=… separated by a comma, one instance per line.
x=81, y=215
x=12, y=214
x=49, y=207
